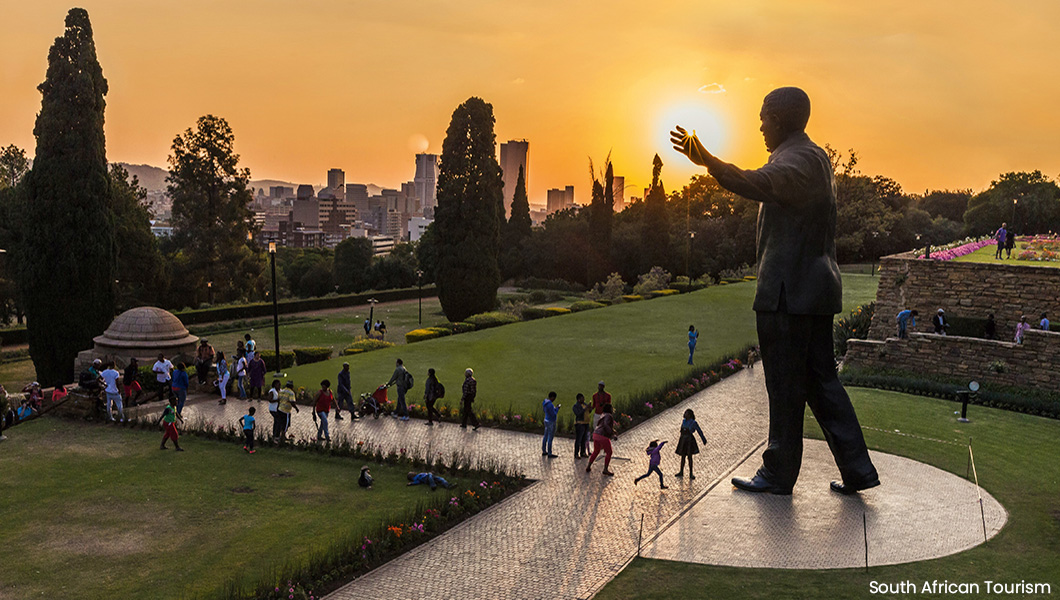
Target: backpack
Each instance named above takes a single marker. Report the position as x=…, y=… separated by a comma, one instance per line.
x=439, y=390
x=408, y=380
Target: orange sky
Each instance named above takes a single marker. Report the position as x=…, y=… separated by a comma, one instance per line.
x=932, y=94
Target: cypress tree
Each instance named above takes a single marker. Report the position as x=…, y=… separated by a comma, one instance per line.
x=470, y=210
x=65, y=270
x=601, y=218
x=516, y=231
x=655, y=235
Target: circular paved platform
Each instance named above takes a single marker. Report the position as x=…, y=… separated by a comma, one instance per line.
x=919, y=512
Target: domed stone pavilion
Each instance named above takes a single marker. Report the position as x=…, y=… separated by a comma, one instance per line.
x=142, y=333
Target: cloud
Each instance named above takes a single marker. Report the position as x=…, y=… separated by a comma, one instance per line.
x=712, y=88
x=518, y=81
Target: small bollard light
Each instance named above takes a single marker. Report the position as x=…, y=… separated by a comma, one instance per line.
x=965, y=396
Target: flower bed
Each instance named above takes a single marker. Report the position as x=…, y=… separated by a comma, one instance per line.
x=1041, y=248
x=963, y=247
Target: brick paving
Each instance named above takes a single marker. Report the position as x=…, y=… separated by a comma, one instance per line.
x=571, y=532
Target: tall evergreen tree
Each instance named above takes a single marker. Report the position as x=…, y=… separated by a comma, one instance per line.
x=470, y=210
x=13, y=166
x=601, y=219
x=655, y=234
x=353, y=259
x=211, y=215
x=65, y=269
x=516, y=231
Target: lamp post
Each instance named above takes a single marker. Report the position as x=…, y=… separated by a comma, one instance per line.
x=688, y=261
x=209, y=292
x=1014, y=200
x=419, y=282
x=371, y=312
x=275, y=309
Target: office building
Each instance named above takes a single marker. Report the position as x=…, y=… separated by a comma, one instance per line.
x=559, y=199
x=618, y=184
x=426, y=180
x=281, y=191
x=305, y=192
x=514, y=154
x=417, y=226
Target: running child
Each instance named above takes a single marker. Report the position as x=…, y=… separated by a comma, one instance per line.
x=168, y=420
x=247, y=422
x=653, y=450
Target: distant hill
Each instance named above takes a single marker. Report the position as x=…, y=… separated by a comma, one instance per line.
x=154, y=179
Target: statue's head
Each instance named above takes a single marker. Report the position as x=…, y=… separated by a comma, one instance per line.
x=785, y=111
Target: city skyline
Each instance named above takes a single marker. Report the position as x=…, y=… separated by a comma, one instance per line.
x=927, y=96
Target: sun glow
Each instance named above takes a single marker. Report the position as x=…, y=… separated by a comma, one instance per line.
x=694, y=115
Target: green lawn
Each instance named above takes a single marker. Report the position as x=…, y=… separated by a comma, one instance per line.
x=98, y=512
x=1016, y=462
x=631, y=346
x=987, y=253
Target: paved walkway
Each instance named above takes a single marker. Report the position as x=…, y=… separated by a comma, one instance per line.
x=569, y=533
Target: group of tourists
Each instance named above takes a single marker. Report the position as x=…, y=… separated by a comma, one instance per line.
x=940, y=324
x=1006, y=241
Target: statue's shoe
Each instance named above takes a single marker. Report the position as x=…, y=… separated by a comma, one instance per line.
x=852, y=488
x=760, y=485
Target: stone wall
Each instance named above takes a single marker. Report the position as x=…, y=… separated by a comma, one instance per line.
x=963, y=289
x=1033, y=364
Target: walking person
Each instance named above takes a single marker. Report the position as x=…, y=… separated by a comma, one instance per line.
x=222, y=377
x=432, y=391
x=693, y=336
x=581, y=427
x=204, y=356
x=467, y=398
x=653, y=449
x=285, y=405
x=110, y=377
x=278, y=418
x=162, y=370
x=180, y=386
x=241, y=375
x=168, y=420
x=251, y=347
x=247, y=423
x=600, y=399
x=325, y=400
x=403, y=379
x=1022, y=328
x=1001, y=236
x=131, y=381
x=551, y=412
x=686, y=444
x=345, y=395
x=256, y=370
x=602, y=436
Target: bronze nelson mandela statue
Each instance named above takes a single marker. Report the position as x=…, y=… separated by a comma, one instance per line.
x=799, y=291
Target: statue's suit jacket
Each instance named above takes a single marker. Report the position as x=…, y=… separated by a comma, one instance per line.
x=796, y=227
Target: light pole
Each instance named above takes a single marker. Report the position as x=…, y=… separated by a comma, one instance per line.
x=275, y=309
x=419, y=282
x=688, y=260
x=209, y=292
x=371, y=312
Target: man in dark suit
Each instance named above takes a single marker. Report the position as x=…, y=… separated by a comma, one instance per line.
x=799, y=291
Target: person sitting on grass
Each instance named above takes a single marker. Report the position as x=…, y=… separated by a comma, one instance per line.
x=247, y=423
x=365, y=480
x=429, y=479
x=25, y=410
x=653, y=449
x=168, y=420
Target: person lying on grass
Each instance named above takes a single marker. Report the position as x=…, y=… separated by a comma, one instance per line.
x=428, y=478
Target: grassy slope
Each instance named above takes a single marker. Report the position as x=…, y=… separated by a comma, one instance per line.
x=630, y=346
x=1016, y=462
x=97, y=512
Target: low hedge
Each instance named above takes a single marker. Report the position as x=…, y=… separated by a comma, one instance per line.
x=666, y=292
x=426, y=333
x=492, y=319
x=305, y=356
x=366, y=345
x=581, y=305
x=535, y=312
x=632, y=298
x=459, y=327
x=286, y=359
x=1023, y=400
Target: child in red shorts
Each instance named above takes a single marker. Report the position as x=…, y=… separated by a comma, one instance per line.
x=168, y=420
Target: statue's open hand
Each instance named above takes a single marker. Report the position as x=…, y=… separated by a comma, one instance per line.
x=689, y=145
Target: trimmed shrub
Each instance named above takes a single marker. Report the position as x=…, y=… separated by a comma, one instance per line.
x=286, y=359
x=666, y=292
x=491, y=319
x=531, y=313
x=366, y=345
x=426, y=333
x=585, y=305
x=543, y=296
x=655, y=279
x=536, y=283
x=458, y=327
x=305, y=356
x=609, y=290
x=632, y=298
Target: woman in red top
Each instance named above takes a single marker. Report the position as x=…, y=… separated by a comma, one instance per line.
x=602, y=436
x=325, y=400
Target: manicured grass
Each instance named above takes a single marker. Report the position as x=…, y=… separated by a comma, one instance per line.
x=1016, y=461
x=632, y=347
x=99, y=512
x=987, y=253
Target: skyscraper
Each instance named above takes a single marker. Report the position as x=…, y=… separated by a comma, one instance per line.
x=514, y=154
x=426, y=180
x=336, y=185
x=618, y=184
